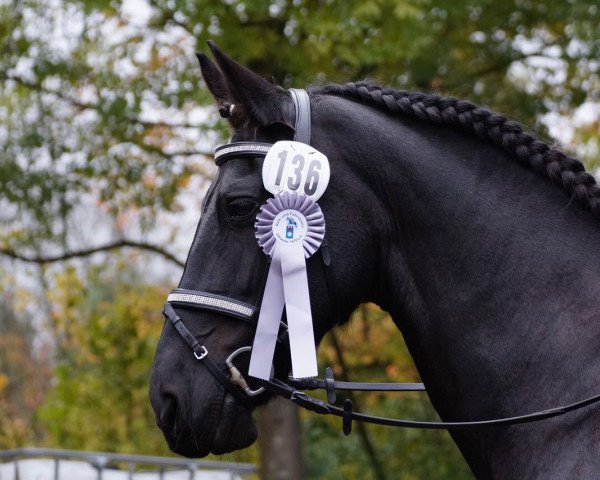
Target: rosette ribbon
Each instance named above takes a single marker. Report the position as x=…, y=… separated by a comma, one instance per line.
x=289, y=228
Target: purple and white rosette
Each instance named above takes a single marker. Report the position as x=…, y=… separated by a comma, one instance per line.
x=289, y=228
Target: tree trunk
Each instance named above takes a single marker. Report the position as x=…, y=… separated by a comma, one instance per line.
x=280, y=441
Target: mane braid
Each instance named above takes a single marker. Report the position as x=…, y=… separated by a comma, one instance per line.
x=563, y=170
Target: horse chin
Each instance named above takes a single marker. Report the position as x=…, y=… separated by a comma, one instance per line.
x=233, y=430
x=236, y=429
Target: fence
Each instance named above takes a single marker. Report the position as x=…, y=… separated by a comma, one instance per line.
x=53, y=464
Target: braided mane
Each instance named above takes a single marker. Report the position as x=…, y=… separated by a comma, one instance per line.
x=563, y=170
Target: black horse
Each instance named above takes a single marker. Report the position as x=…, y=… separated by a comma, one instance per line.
x=479, y=239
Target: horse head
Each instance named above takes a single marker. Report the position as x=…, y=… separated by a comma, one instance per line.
x=196, y=413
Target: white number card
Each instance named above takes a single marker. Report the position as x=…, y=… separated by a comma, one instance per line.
x=295, y=167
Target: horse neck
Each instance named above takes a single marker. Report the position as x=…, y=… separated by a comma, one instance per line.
x=488, y=270
x=486, y=261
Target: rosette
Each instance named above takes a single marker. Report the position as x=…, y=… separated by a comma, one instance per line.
x=274, y=215
x=289, y=228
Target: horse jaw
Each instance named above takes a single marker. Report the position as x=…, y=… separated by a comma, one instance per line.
x=236, y=429
x=231, y=428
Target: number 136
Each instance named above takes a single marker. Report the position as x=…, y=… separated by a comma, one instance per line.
x=295, y=179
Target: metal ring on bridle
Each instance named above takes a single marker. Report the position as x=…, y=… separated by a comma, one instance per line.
x=238, y=378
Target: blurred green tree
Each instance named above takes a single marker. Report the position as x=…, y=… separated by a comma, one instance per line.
x=106, y=322
x=24, y=369
x=103, y=99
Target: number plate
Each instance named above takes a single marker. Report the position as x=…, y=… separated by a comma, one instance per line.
x=295, y=167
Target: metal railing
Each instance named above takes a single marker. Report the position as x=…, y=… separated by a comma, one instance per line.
x=102, y=462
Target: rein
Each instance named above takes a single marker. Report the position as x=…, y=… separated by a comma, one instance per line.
x=293, y=389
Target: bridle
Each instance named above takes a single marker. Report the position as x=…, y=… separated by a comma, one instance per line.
x=293, y=389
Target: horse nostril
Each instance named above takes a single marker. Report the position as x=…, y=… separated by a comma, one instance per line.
x=168, y=411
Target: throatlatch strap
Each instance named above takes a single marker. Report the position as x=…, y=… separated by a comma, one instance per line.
x=302, y=106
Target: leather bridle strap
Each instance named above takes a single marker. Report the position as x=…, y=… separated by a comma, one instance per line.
x=233, y=150
x=302, y=107
x=201, y=353
x=319, y=384
x=348, y=415
x=181, y=297
x=330, y=385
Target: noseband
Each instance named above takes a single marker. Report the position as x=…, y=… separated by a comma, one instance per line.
x=292, y=389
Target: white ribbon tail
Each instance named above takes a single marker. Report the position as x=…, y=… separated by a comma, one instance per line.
x=269, y=319
x=298, y=312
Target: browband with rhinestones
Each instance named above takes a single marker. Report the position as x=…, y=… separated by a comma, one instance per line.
x=240, y=150
x=210, y=301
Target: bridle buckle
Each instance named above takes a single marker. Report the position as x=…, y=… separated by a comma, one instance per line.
x=203, y=353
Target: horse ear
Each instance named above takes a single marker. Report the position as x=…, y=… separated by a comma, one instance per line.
x=262, y=102
x=216, y=84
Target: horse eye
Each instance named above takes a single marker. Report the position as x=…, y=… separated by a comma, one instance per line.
x=241, y=209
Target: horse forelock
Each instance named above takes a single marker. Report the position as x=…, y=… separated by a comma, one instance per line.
x=562, y=169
